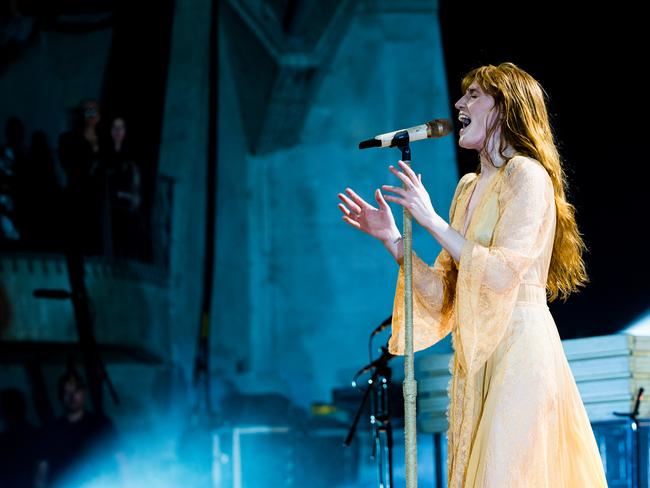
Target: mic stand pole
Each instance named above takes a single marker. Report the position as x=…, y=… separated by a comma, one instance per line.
x=401, y=141
x=382, y=435
x=355, y=422
x=382, y=427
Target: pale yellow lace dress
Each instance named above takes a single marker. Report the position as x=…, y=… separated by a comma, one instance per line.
x=516, y=418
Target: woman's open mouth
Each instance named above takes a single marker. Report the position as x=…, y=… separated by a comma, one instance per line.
x=464, y=120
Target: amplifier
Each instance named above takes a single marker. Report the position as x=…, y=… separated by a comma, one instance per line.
x=263, y=456
x=252, y=457
x=624, y=450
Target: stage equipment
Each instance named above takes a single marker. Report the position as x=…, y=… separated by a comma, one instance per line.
x=400, y=139
x=377, y=390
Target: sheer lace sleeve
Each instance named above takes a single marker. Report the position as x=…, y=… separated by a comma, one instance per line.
x=430, y=322
x=489, y=277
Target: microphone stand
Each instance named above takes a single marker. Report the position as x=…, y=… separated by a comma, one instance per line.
x=401, y=141
x=382, y=431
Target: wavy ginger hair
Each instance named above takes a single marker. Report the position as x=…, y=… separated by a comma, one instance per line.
x=520, y=104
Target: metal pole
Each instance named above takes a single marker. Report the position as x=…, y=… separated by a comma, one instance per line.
x=409, y=385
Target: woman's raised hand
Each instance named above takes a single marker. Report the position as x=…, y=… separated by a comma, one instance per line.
x=376, y=222
x=414, y=197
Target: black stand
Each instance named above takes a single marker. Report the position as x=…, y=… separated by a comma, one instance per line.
x=401, y=141
x=382, y=431
x=634, y=425
x=94, y=366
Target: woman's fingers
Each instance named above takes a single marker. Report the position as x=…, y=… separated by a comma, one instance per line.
x=357, y=199
x=395, y=189
x=345, y=210
x=353, y=206
x=405, y=179
x=380, y=198
x=409, y=171
x=353, y=223
x=397, y=200
x=348, y=216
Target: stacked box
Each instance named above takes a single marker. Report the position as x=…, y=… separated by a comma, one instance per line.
x=609, y=370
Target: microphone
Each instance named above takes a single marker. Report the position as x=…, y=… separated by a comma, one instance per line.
x=430, y=130
x=382, y=326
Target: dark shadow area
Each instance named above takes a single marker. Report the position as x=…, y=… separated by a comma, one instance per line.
x=588, y=65
x=97, y=186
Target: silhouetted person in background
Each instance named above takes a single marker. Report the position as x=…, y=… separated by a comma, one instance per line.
x=17, y=31
x=79, y=446
x=38, y=197
x=80, y=156
x=124, y=193
x=17, y=441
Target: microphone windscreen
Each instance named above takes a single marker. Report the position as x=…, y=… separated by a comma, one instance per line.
x=369, y=143
x=440, y=127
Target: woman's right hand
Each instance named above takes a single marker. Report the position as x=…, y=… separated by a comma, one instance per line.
x=376, y=222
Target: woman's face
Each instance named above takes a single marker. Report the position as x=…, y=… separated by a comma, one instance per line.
x=118, y=130
x=476, y=115
x=91, y=113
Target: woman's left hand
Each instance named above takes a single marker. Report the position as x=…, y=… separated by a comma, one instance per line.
x=414, y=197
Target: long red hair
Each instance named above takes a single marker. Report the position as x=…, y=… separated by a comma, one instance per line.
x=524, y=122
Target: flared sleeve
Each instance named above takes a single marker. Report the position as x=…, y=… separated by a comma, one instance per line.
x=489, y=276
x=430, y=324
x=431, y=320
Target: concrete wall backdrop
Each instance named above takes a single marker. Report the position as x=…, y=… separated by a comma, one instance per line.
x=298, y=290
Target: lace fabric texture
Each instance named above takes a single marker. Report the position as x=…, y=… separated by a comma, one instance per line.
x=515, y=415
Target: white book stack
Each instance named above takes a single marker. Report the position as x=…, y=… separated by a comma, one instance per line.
x=609, y=370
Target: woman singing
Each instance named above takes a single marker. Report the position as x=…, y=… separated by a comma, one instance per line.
x=516, y=418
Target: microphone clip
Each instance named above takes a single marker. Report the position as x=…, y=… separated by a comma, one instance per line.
x=401, y=141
